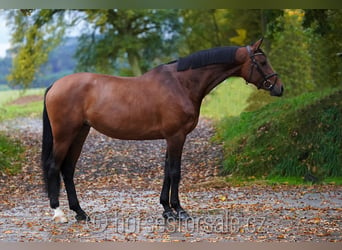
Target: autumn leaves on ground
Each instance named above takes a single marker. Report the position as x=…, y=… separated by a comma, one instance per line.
x=119, y=183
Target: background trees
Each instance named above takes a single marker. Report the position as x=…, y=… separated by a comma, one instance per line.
x=32, y=40
x=302, y=44
x=137, y=37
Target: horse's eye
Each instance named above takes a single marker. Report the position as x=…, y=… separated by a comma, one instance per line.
x=263, y=63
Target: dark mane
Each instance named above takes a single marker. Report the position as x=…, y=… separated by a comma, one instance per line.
x=220, y=55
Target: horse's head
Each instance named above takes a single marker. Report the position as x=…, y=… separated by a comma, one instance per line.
x=256, y=69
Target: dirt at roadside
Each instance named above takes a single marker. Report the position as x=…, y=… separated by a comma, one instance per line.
x=23, y=100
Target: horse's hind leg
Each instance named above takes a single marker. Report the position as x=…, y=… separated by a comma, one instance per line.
x=53, y=178
x=68, y=170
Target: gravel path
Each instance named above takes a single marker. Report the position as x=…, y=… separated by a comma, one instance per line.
x=118, y=183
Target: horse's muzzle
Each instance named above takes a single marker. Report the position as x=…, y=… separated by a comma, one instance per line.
x=277, y=90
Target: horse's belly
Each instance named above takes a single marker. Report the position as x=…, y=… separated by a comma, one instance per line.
x=125, y=134
x=128, y=129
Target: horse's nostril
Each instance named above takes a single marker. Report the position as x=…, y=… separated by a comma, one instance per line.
x=277, y=91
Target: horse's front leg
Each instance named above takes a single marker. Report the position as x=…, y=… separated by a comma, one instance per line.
x=165, y=193
x=172, y=179
x=175, y=174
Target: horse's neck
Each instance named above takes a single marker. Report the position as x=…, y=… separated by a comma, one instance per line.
x=204, y=80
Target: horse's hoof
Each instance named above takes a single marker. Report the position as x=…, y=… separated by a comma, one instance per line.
x=82, y=217
x=183, y=216
x=59, y=216
x=169, y=216
x=60, y=219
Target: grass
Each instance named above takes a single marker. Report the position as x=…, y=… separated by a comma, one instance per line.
x=11, y=95
x=278, y=180
x=333, y=180
x=10, y=111
x=33, y=109
x=11, y=150
x=290, y=138
x=252, y=180
x=228, y=99
x=10, y=155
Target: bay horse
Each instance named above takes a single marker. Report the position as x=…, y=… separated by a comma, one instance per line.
x=163, y=103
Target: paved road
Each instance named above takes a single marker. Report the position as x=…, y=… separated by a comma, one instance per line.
x=119, y=182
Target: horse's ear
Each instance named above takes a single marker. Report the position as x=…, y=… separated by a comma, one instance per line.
x=257, y=44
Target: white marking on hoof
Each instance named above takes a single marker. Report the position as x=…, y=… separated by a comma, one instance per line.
x=59, y=216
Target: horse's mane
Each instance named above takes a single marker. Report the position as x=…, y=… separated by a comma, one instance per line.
x=220, y=55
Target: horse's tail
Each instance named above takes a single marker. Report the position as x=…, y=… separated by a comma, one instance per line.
x=47, y=143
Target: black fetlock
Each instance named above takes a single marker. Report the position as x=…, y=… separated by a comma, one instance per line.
x=169, y=215
x=182, y=215
x=82, y=216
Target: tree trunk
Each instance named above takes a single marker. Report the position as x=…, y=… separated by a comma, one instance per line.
x=133, y=60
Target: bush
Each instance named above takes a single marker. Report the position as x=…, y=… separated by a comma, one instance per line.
x=290, y=137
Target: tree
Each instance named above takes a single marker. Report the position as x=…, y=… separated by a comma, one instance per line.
x=137, y=36
x=247, y=26
x=33, y=37
x=302, y=45
x=325, y=44
x=290, y=54
x=203, y=29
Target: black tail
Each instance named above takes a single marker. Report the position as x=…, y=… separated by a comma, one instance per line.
x=47, y=142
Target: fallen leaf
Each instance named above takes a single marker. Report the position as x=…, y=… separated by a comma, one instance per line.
x=281, y=236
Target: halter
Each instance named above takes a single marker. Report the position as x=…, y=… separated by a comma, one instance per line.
x=266, y=84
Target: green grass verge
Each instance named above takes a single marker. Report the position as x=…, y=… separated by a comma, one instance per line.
x=10, y=155
x=278, y=180
x=288, y=138
x=7, y=96
x=252, y=180
x=9, y=111
x=11, y=150
x=227, y=99
x=33, y=109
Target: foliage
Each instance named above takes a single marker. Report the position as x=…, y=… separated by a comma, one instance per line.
x=32, y=39
x=254, y=21
x=290, y=137
x=303, y=51
x=60, y=63
x=203, y=29
x=301, y=44
x=139, y=36
x=289, y=54
x=289, y=57
x=325, y=43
